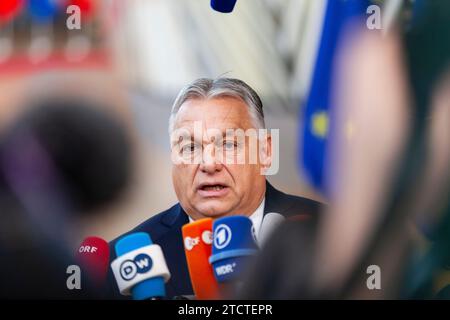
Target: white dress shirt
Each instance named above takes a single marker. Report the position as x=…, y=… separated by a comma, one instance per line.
x=256, y=218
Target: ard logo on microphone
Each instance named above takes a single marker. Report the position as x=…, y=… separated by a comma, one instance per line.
x=222, y=236
x=142, y=263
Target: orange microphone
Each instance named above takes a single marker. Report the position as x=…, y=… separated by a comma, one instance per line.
x=197, y=239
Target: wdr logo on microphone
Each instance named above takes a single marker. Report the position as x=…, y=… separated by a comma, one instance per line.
x=225, y=269
x=222, y=236
x=142, y=263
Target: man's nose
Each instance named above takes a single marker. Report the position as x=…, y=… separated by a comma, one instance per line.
x=210, y=163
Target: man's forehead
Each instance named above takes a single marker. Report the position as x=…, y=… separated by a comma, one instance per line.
x=217, y=113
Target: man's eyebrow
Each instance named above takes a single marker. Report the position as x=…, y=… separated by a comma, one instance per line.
x=185, y=138
x=234, y=129
x=182, y=137
x=190, y=137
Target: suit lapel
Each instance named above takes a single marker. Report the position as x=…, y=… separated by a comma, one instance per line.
x=172, y=242
x=274, y=200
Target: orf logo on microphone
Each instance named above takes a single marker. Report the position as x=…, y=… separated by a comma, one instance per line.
x=142, y=263
x=222, y=236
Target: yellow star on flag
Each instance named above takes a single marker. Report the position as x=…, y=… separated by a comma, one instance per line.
x=320, y=123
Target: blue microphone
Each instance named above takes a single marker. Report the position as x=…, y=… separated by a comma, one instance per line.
x=233, y=244
x=140, y=268
x=224, y=6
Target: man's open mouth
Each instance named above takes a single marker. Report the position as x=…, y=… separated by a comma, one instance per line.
x=215, y=187
x=212, y=189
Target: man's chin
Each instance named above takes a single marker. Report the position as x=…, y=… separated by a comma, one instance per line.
x=213, y=211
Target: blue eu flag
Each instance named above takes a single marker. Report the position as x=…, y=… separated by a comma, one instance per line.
x=318, y=104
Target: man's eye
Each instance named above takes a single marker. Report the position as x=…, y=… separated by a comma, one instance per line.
x=229, y=145
x=189, y=148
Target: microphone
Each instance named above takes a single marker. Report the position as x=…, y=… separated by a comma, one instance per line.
x=93, y=257
x=234, y=242
x=224, y=6
x=197, y=239
x=140, y=269
x=269, y=224
x=95, y=169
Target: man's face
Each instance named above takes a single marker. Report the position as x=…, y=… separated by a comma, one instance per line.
x=216, y=183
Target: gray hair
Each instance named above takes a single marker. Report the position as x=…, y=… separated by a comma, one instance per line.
x=205, y=88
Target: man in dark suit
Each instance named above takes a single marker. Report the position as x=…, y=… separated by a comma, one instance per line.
x=216, y=171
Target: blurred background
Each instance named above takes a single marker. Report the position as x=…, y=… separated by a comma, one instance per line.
x=138, y=54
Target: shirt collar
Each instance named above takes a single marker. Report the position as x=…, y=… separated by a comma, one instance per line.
x=256, y=217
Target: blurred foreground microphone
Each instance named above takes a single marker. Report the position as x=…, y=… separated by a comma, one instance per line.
x=64, y=158
x=140, y=268
x=234, y=242
x=88, y=148
x=224, y=6
x=93, y=258
x=197, y=238
x=270, y=223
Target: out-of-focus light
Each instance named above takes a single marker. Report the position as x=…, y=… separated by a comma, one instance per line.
x=9, y=9
x=77, y=48
x=6, y=49
x=40, y=49
x=87, y=7
x=43, y=10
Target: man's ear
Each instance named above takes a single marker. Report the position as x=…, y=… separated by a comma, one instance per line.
x=265, y=151
x=270, y=152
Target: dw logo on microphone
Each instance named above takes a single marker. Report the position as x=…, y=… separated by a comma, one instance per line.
x=142, y=263
x=222, y=236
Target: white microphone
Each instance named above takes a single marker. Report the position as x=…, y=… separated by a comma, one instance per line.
x=270, y=222
x=140, y=268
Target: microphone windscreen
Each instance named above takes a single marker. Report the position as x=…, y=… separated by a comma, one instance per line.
x=197, y=238
x=234, y=242
x=93, y=258
x=140, y=268
x=224, y=6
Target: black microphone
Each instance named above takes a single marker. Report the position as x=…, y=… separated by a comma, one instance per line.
x=224, y=6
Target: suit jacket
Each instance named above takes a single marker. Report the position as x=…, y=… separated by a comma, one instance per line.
x=165, y=230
